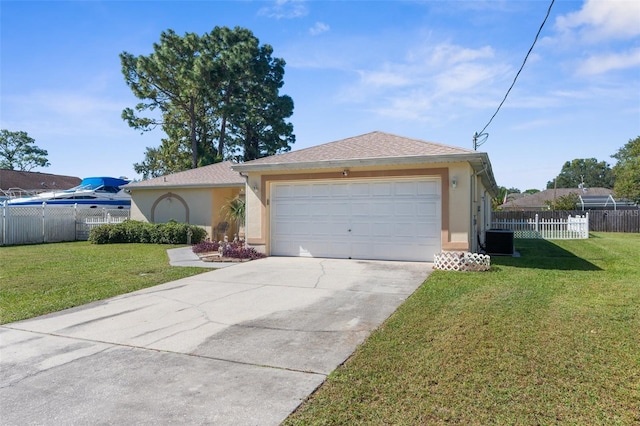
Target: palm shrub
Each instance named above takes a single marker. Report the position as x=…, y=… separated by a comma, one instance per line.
x=234, y=211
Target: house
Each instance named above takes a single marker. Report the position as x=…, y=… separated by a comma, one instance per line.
x=374, y=196
x=19, y=183
x=543, y=199
x=195, y=196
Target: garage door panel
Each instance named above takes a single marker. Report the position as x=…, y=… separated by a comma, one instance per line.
x=428, y=188
x=368, y=219
x=406, y=208
x=321, y=190
x=301, y=191
x=383, y=231
x=381, y=209
x=381, y=189
x=292, y=227
x=340, y=190
x=361, y=229
x=361, y=208
x=284, y=191
x=335, y=209
x=360, y=190
x=426, y=230
x=428, y=208
x=320, y=229
x=406, y=189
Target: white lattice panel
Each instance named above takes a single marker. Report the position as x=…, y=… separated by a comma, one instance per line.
x=462, y=261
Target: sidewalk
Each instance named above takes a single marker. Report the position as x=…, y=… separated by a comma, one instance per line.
x=184, y=256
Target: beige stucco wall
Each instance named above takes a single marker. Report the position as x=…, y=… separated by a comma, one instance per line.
x=458, y=231
x=459, y=202
x=254, y=206
x=197, y=206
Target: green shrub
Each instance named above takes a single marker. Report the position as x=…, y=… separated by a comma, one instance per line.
x=133, y=231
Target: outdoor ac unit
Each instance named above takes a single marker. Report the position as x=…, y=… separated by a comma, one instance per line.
x=499, y=242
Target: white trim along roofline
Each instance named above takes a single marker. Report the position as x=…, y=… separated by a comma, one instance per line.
x=479, y=162
x=186, y=185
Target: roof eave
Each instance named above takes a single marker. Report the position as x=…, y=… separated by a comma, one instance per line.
x=479, y=161
x=357, y=162
x=186, y=186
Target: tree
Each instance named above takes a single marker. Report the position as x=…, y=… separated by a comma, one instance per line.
x=531, y=191
x=588, y=172
x=215, y=96
x=503, y=196
x=565, y=202
x=627, y=171
x=18, y=152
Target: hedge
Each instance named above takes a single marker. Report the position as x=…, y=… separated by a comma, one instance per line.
x=133, y=231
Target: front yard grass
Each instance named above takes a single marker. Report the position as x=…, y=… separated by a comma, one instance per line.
x=552, y=337
x=44, y=278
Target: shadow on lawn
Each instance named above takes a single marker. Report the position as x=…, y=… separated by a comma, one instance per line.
x=543, y=254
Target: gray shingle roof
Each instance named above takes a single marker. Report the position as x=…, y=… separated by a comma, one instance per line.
x=368, y=146
x=218, y=174
x=35, y=181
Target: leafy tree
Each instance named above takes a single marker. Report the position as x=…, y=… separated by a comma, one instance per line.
x=18, y=152
x=531, y=191
x=503, y=196
x=591, y=172
x=627, y=171
x=564, y=202
x=216, y=96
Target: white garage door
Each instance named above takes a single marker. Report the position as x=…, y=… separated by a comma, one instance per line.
x=395, y=219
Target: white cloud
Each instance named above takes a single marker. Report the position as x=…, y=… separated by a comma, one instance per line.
x=452, y=68
x=599, y=20
x=599, y=64
x=447, y=54
x=465, y=77
x=432, y=84
x=391, y=76
x=319, y=28
x=287, y=9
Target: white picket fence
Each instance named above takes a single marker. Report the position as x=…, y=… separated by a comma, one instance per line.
x=572, y=228
x=51, y=224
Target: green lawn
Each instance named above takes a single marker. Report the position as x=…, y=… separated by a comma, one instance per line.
x=552, y=337
x=38, y=279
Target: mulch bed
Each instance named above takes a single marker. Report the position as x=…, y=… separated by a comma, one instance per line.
x=215, y=257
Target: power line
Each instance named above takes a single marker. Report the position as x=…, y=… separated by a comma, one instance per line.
x=483, y=136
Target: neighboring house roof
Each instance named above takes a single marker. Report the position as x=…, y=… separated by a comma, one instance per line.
x=35, y=181
x=539, y=200
x=214, y=175
x=372, y=149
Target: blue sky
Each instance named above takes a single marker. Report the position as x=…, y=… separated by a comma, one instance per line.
x=430, y=70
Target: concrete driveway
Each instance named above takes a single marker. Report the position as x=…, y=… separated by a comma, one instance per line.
x=243, y=345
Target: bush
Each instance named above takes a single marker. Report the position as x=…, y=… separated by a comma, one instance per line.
x=236, y=250
x=206, y=247
x=133, y=231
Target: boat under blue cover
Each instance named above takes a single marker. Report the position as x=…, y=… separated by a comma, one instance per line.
x=93, y=192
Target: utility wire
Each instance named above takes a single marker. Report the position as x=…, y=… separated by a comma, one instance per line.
x=481, y=133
